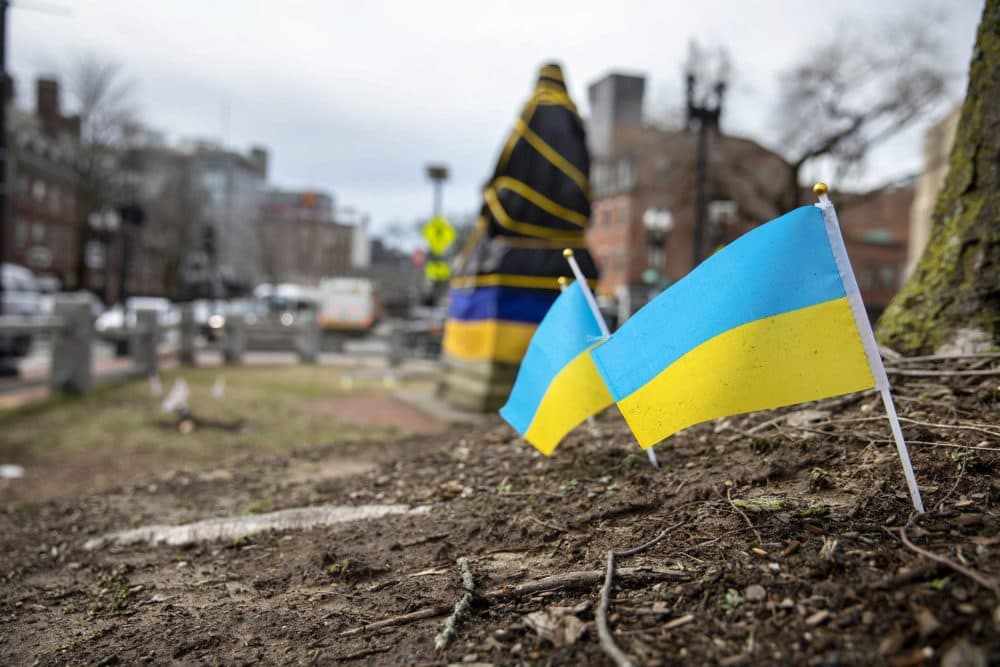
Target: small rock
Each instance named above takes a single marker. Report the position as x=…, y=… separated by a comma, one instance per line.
x=817, y=618
x=755, y=593
x=963, y=654
x=927, y=623
x=471, y=657
x=787, y=603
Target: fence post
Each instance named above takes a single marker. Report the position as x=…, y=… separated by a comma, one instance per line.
x=144, y=342
x=236, y=339
x=72, y=345
x=307, y=341
x=189, y=333
x=397, y=345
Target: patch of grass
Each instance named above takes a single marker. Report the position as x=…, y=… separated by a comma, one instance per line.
x=338, y=568
x=282, y=407
x=938, y=584
x=732, y=602
x=258, y=507
x=568, y=486
x=761, y=504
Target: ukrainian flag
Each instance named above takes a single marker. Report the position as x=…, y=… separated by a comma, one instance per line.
x=557, y=386
x=763, y=323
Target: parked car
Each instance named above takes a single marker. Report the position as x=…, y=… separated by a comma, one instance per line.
x=47, y=304
x=20, y=297
x=112, y=321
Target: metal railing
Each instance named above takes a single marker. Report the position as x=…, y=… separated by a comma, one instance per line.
x=71, y=328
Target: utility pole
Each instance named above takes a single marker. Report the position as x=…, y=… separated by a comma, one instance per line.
x=707, y=115
x=3, y=143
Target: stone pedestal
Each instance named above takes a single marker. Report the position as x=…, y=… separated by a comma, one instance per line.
x=72, y=345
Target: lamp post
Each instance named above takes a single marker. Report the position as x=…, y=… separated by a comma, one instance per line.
x=103, y=224
x=132, y=216
x=706, y=114
x=438, y=174
x=658, y=223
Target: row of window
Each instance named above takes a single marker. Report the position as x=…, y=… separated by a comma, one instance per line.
x=58, y=238
x=610, y=214
x=55, y=198
x=879, y=276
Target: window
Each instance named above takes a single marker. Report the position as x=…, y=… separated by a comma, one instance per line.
x=661, y=165
x=624, y=174
x=623, y=212
x=20, y=234
x=888, y=275
x=37, y=232
x=869, y=276
x=38, y=191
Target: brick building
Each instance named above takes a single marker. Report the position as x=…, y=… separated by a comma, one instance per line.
x=876, y=229
x=299, y=239
x=642, y=227
x=643, y=215
x=41, y=228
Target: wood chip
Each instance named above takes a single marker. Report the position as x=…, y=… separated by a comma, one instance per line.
x=678, y=622
x=792, y=547
x=817, y=618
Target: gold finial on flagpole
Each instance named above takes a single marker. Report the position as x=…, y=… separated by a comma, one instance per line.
x=567, y=253
x=820, y=189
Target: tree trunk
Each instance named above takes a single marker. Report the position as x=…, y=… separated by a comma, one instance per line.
x=955, y=290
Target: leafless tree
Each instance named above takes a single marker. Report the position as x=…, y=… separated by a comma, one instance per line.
x=176, y=220
x=104, y=101
x=857, y=89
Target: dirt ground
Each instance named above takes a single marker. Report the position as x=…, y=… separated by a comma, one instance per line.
x=791, y=541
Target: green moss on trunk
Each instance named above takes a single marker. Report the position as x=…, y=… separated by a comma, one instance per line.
x=957, y=283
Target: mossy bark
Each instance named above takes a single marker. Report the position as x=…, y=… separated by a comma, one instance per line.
x=956, y=284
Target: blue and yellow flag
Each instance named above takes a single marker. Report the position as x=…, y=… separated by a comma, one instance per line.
x=557, y=386
x=763, y=323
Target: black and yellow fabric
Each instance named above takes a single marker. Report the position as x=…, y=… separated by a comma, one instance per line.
x=536, y=203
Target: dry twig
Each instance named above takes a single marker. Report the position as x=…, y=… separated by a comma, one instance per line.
x=565, y=581
x=606, y=639
x=461, y=607
x=922, y=372
x=961, y=569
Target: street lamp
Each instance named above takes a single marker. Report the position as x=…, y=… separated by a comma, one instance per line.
x=706, y=113
x=103, y=223
x=131, y=216
x=438, y=173
x=658, y=223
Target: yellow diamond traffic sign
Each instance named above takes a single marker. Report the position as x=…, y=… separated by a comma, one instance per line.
x=438, y=272
x=439, y=234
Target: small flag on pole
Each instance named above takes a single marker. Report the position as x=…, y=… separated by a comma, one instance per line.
x=557, y=386
x=775, y=318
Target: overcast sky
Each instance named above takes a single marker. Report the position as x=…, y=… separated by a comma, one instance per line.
x=355, y=97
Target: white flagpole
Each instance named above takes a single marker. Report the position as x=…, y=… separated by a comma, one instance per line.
x=867, y=336
x=605, y=333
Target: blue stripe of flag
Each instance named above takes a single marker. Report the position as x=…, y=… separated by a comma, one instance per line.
x=778, y=267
